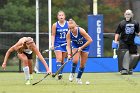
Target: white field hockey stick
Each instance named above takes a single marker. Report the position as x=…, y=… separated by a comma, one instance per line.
x=114, y=54
x=63, y=65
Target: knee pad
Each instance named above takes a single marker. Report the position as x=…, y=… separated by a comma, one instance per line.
x=134, y=59
x=126, y=61
x=123, y=55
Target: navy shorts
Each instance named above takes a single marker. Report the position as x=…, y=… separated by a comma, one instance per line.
x=29, y=56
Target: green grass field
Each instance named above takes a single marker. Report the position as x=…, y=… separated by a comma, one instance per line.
x=99, y=83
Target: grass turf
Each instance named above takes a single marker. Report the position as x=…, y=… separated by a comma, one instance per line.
x=99, y=83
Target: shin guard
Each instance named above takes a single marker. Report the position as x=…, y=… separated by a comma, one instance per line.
x=134, y=59
x=123, y=55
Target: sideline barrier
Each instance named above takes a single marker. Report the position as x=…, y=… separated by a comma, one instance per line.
x=92, y=65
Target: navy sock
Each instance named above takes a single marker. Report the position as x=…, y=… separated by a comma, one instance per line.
x=80, y=72
x=62, y=68
x=74, y=65
x=58, y=65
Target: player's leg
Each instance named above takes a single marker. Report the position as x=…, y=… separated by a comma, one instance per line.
x=134, y=58
x=83, y=59
x=126, y=60
x=74, y=64
x=24, y=59
x=30, y=61
x=60, y=75
x=123, y=60
x=63, y=50
x=58, y=55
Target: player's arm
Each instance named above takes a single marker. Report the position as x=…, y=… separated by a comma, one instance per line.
x=117, y=32
x=11, y=49
x=115, y=45
x=53, y=34
x=37, y=52
x=86, y=36
x=116, y=37
x=68, y=44
x=137, y=28
x=115, y=42
x=137, y=37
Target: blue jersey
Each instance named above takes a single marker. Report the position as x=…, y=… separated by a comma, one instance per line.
x=61, y=32
x=60, y=37
x=78, y=41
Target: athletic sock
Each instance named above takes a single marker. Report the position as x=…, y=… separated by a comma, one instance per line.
x=62, y=68
x=31, y=76
x=26, y=72
x=80, y=72
x=74, y=65
x=58, y=65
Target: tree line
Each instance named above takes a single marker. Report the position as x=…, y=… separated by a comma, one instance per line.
x=19, y=15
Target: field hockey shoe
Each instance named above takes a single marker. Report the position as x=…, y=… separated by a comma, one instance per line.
x=124, y=72
x=60, y=76
x=71, y=77
x=78, y=80
x=27, y=82
x=130, y=72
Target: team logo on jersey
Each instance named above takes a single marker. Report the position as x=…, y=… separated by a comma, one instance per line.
x=129, y=28
x=79, y=41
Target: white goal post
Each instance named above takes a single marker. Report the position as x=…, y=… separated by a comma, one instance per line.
x=37, y=34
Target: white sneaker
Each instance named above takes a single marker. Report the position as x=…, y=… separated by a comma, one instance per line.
x=28, y=82
x=71, y=77
x=78, y=80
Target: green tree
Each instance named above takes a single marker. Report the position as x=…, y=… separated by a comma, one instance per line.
x=17, y=16
x=76, y=9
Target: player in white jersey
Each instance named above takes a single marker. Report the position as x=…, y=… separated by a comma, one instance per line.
x=21, y=46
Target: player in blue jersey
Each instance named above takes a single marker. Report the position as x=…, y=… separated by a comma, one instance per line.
x=59, y=31
x=80, y=40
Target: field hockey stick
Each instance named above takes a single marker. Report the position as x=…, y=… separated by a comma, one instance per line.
x=114, y=54
x=63, y=65
x=47, y=50
x=41, y=79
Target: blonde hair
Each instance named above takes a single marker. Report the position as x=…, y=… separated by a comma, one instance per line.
x=71, y=21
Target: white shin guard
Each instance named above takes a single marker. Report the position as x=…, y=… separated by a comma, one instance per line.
x=26, y=72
